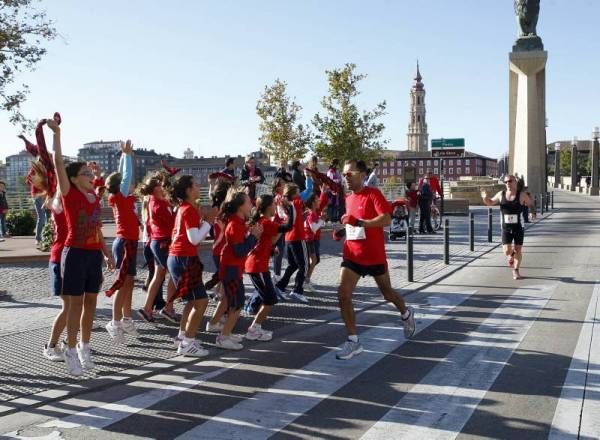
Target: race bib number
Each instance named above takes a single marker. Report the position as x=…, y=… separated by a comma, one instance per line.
x=355, y=232
x=511, y=219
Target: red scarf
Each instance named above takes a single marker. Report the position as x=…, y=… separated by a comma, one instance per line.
x=128, y=259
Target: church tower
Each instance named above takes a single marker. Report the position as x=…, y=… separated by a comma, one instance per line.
x=418, y=138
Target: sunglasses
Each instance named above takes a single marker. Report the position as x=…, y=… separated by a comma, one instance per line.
x=350, y=173
x=509, y=181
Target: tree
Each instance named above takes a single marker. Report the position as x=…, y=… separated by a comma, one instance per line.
x=22, y=30
x=584, y=163
x=343, y=132
x=281, y=135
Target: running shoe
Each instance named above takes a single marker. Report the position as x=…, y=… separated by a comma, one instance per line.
x=236, y=338
x=299, y=297
x=349, y=350
x=214, y=328
x=156, y=314
x=308, y=286
x=85, y=356
x=193, y=349
x=410, y=326
x=516, y=275
x=54, y=354
x=258, y=334
x=72, y=361
x=511, y=261
x=170, y=316
x=115, y=332
x=176, y=341
x=281, y=294
x=228, y=343
x=145, y=315
x=129, y=327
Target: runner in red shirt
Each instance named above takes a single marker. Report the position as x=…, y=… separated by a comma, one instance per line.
x=257, y=266
x=185, y=266
x=367, y=213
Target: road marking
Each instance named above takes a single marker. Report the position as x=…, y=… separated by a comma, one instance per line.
x=577, y=412
x=267, y=412
x=439, y=406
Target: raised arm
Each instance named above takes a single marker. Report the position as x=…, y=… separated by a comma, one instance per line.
x=527, y=200
x=304, y=195
x=64, y=184
x=487, y=201
x=126, y=169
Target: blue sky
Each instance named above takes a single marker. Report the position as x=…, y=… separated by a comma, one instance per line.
x=189, y=75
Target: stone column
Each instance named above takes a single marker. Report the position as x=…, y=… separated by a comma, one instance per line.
x=594, y=190
x=527, y=117
x=556, y=167
x=574, y=182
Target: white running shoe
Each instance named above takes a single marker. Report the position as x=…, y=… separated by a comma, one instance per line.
x=72, y=361
x=85, y=356
x=115, y=332
x=129, y=327
x=55, y=354
x=409, y=324
x=228, y=343
x=193, y=349
x=349, y=350
x=308, y=286
x=299, y=297
x=281, y=294
x=214, y=328
x=258, y=334
x=236, y=338
x=177, y=341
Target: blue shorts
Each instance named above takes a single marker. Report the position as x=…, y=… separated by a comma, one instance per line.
x=177, y=266
x=118, y=251
x=160, y=250
x=81, y=271
x=55, y=278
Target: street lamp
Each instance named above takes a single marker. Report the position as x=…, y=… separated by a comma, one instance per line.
x=595, y=147
x=557, y=176
x=574, y=182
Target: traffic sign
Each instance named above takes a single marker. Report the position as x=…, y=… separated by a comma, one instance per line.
x=448, y=152
x=447, y=143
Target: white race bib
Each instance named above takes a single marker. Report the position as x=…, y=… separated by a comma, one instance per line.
x=511, y=219
x=355, y=232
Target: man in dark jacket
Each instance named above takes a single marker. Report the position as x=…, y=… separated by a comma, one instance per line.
x=229, y=167
x=251, y=176
x=298, y=176
x=283, y=173
x=425, y=199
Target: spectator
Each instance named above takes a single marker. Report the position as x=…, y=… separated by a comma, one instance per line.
x=336, y=200
x=412, y=197
x=283, y=173
x=588, y=181
x=526, y=207
x=298, y=176
x=38, y=204
x=313, y=164
x=251, y=176
x=520, y=183
x=229, y=167
x=425, y=199
x=3, y=211
x=372, y=180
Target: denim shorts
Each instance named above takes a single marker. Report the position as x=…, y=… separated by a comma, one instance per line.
x=81, y=271
x=55, y=278
x=118, y=251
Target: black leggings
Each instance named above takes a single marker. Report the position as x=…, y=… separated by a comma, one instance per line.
x=297, y=257
x=265, y=291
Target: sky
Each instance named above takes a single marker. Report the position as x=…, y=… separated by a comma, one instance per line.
x=188, y=73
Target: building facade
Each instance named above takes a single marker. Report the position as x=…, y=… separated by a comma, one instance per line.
x=417, y=137
x=2, y=171
x=17, y=167
x=105, y=154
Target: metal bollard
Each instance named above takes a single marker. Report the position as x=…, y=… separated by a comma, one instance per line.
x=490, y=221
x=472, y=231
x=446, y=241
x=552, y=200
x=409, y=257
x=542, y=204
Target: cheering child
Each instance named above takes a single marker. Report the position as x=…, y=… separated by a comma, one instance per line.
x=312, y=230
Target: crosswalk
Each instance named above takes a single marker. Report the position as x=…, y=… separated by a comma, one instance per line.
x=395, y=389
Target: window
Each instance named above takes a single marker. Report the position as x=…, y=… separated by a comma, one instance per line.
x=420, y=163
x=450, y=171
x=420, y=170
x=400, y=171
x=385, y=171
x=467, y=170
x=436, y=171
x=428, y=163
x=467, y=162
x=451, y=162
x=435, y=162
x=458, y=171
x=458, y=162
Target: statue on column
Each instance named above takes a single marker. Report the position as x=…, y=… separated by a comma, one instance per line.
x=527, y=12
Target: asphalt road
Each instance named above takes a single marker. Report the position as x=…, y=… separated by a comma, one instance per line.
x=493, y=358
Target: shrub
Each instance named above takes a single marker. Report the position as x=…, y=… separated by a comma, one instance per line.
x=20, y=222
x=47, y=235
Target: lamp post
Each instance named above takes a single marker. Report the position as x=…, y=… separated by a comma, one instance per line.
x=594, y=190
x=557, y=165
x=574, y=164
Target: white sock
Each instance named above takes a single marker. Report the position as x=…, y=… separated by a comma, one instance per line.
x=116, y=323
x=406, y=314
x=187, y=340
x=181, y=334
x=126, y=319
x=353, y=338
x=256, y=326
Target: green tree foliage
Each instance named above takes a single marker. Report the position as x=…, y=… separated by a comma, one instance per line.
x=584, y=163
x=281, y=135
x=343, y=131
x=23, y=28
x=20, y=222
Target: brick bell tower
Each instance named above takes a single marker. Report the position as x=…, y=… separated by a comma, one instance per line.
x=418, y=138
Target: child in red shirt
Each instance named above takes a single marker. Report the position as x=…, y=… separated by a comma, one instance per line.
x=312, y=236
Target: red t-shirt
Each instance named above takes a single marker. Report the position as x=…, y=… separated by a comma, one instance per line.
x=59, y=235
x=413, y=198
x=83, y=220
x=235, y=233
x=366, y=205
x=219, y=238
x=187, y=217
x=297, y=231
x=258, y=259
x=125, y=216
x=309, y=235
x=162, y=218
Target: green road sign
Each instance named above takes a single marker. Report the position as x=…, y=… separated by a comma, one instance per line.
x=447, y=143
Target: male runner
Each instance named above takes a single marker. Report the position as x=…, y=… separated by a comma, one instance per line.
x=367, y=213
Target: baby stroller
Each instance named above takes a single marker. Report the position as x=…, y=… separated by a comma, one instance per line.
x=399, y=224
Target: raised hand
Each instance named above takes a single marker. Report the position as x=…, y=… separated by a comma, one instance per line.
x=53, y=125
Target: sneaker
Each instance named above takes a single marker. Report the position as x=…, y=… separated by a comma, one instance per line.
x=228, y=343
x=145, y=315
x=308, y=286
x=410, y=326
x=54, y=354
x=349, y=349
x=129, y=327
x=115, y=332
x=73, y=364
x=170, y=316
x=299, y=297
x=85, y=356
x=236, y=338
x=193, y=349
x=281, y=294
x=176, y=341
x=258, y=334
x=214, y=328
x=156, y=314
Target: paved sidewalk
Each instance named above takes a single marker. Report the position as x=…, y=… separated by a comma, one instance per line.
x=26, y=313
